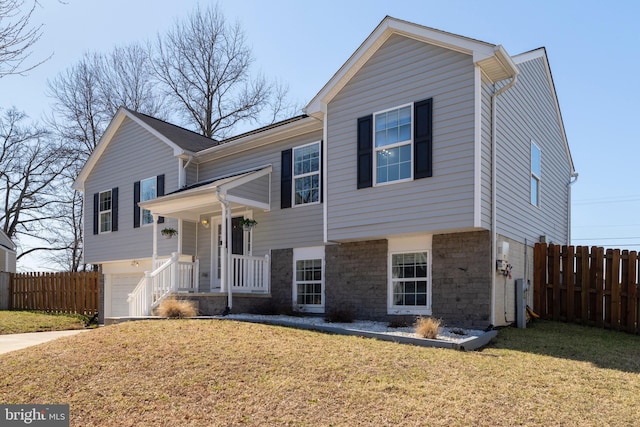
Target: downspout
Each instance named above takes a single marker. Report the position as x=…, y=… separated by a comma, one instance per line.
x=494, y=231
x=154, y=256
x=182, y=171
x=572, y=180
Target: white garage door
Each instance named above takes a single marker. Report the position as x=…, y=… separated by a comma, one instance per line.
x=121, y=286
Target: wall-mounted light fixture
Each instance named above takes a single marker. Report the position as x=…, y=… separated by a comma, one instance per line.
x=135, y=263
x=205, y=223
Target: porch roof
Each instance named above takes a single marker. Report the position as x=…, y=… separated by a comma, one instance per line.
x=204, y=197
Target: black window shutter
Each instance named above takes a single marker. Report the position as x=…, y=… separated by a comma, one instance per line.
x=423, y=139
x=160, y=192
x=96, y=207
x=365, y=151
x=114, y=209
x=136, y=208
x=286, y=179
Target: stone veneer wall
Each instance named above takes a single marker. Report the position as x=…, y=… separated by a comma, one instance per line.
x=461, y=278
x=282, y=280
x=356, y=279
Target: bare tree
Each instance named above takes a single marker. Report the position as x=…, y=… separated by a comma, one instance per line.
x=31, y=168
x=86, y=96
x=125, y=79
x=17, y=37
x=204, y=65
x=79, y=115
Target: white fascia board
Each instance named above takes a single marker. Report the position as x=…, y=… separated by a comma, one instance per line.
x=177, y=150
x=106, y=137
x=389, y=26
x=115, y=123
x=250, y=142
x=542, y=54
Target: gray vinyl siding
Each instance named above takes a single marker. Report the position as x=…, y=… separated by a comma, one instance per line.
x=485, y=153
x=192, y=174
x=401, y=71
x=279, y=228
x=132, y=154
x=255, y=190
x=188, y=238
x=527, y=112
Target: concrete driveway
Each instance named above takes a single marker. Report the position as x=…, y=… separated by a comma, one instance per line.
x=19, y=341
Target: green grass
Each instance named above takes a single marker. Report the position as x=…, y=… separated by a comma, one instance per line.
x=221, y=373
x=18, y=322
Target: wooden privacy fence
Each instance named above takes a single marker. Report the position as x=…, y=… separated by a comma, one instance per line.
x=55, y=292
x=587, y=285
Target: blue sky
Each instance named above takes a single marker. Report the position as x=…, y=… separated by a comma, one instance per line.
x=593, y=48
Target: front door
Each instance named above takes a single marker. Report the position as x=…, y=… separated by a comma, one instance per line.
x=238, y=246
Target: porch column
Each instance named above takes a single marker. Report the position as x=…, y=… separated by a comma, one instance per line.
x=223, y=249
x=229, y=259
x=155, y=242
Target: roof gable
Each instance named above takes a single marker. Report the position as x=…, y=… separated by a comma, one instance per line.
x=541, y=53
x=493, y=59
x=182, y=141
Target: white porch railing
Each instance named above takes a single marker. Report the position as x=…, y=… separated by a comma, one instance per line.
x=250, y=273
x=170, y=276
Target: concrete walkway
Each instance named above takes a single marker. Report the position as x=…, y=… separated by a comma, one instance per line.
x=19, y=341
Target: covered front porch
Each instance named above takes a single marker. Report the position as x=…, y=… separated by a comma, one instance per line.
x=215, y=223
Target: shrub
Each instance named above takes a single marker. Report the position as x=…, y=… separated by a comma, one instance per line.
x=338, y=315
x=427, y=327
x=173, y=308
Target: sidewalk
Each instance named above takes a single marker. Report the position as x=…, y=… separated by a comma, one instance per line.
x=19, y=341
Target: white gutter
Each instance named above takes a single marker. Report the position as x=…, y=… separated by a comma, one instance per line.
x=494, y=231
x=182, y=171
x=573, y=175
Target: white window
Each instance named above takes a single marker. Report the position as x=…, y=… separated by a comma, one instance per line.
x=306, y=174
x=409, y=269
x=393, y=145
x=308, y=283
x=536, y=159
x=148, y=191
x=105, y=213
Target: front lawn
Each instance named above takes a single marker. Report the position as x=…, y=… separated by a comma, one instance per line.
x=18, y=322
x=213, y=372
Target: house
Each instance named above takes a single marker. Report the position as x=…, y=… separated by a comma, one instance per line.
x=415, y=183
x=7, y=254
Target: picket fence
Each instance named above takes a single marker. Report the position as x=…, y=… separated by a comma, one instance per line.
x=74, y=293
x=587, y=285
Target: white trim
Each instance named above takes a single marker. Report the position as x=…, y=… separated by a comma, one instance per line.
x=108, y=135
x=399, y=144
x=477, y=149
x=542, y=54
x=303, y=175
x=142, y=223
x=309, y=253
x=533, y=175
x=480, y=51
x=100, y=212
x=405, y=245
x=325, y=178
